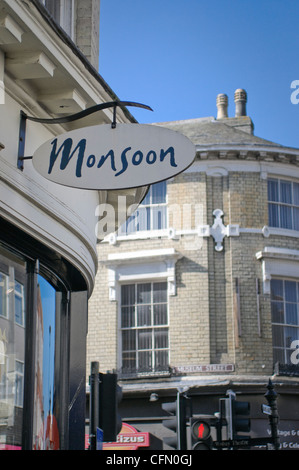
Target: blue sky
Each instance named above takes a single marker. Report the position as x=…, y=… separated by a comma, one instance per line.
x=177, y=55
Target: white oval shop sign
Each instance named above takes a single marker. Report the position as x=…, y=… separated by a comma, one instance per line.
x=100, y=157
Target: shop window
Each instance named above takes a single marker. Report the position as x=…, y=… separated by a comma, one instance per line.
x=3, y=295
x=285, y=318
x=144, y=328
x=12, y=354
x=283, y=204
x=151, y=213
x=43, y=315
x=19, y=303
x=13, y=281
x=45, y=430
x=19, y=371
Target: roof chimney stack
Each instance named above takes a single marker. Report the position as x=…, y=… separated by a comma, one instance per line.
x=222, y=104
x=240, y=102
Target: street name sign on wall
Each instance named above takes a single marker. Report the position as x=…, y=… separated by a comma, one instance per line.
x=103, y=157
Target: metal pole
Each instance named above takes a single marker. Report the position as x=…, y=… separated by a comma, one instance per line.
x=271, y=397
x=94, y=404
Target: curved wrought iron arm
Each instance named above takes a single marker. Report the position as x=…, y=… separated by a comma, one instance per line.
x=72, y=117
x=87, y=112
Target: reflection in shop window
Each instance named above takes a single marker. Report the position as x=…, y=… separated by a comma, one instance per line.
x=19, y=303
x=3, y=295
x=45, y=428
x=12, y=340
x=19, y=383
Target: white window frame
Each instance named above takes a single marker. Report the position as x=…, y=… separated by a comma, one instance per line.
x=139, y=328
x=278, y=262
x=136, y=218
x=21, y=296
x=139, y=265
x=280, y=204
x=287, y=350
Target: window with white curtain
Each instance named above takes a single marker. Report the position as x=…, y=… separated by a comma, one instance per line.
x=151, y=214
x=144, y=328
x=283, y=203
x=285, y=318
x=63, y=13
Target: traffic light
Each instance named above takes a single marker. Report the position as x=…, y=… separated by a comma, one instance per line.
x=237, y=413
x=176, y=422
x=201, y=430
x=110, y=395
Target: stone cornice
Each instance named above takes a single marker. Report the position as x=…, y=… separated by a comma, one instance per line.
x=262, y=154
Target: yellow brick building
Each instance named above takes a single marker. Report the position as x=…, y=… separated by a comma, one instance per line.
x=199, y=290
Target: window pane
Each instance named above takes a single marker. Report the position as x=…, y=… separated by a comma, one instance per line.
x=53, y=6
x=159, y=218
x=160, y=314
x=286, y=217
x=144, y=361
x=129, y=225
x=127, y=317
x=144, y=315
x=161, y=338
x=128, y=340
x=159, y=192
x=19, y=305
x=286, y=192
x=144, y=293
x=147, y=199
x=291, y=334
x=273, y=215
x=296, y=194
x=273, y=190
x=290, y=291
x=278, y=336
x=161, y=360
x=129, y=362
x=276, y=289
x=128, y=295
x=291, y=314
x=277, y=312
x=160, y=292
x=142, y=217
x=144, y=339
x=296, y=218
x=278, y=355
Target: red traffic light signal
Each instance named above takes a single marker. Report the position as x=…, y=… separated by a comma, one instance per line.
x=201, y=430
x=200, y=434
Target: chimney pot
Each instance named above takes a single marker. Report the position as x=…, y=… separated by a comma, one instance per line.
x=222, y=104
x=240, y=102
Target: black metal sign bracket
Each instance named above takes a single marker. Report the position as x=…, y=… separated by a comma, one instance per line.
x=74, y=117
